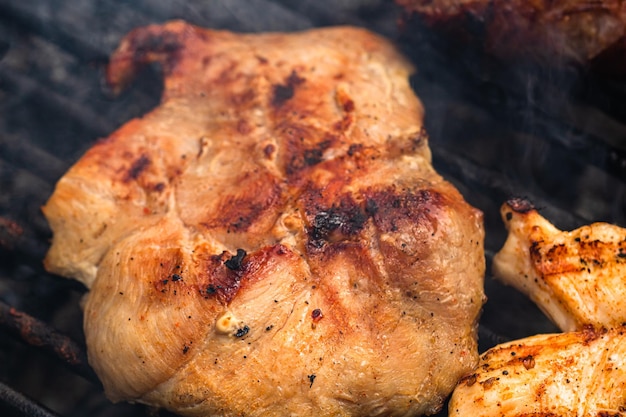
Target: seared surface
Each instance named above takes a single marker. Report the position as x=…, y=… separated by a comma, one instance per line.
x=576, y=278
x=272, y=239
x=574, y=374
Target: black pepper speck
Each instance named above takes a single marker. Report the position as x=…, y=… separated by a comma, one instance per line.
x=242, y=332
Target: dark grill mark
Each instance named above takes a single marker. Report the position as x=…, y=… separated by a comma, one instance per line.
x=520, y=205
x=371, y=207
x=354, y=148
x=388, y=209
x=235, y=262
x=224, y=275
x=308, y=157
x=347, y=219
x=313, y=156
x=137, y=168
x=284, y=92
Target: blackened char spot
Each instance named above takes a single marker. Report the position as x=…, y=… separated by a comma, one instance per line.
x=390, y=208
x=223, y=275
x=316, y=315
x=347, y=218
x=314, y=156
x=164, y=45
x=354, y=148
x=348, y=106
x=150, y=42
x=269, y=150
x=324, y=223
x=223, y=282
x=371, y=207
x=284, y=92
x=520, y=205
x=235, y=262
x=137, y=168
x=308, y=157
x=241, y=332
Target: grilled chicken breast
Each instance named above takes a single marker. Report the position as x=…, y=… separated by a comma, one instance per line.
x=574, y=374
x=272, y=239
x=576, y=278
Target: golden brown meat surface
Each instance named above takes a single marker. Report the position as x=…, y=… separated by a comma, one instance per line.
x=576, y=278
x=574, y=374
x=272, y=239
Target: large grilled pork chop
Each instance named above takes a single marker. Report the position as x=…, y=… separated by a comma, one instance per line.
x=272, y=239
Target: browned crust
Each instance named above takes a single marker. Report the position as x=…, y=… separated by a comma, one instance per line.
x=261, y=163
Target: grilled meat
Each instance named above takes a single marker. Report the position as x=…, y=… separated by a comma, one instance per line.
x=574, y=374
x=272, y=239
x=576, y=278
x=572, y=30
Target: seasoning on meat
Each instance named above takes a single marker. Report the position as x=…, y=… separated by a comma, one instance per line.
x=581, y=373
x=576, y=277
x=282, y=175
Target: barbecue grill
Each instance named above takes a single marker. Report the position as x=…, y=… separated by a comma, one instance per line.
x=555, y=135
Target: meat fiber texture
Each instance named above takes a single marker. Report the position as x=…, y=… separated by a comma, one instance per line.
x=272, y=239
x=573, y=374
x=578, y=278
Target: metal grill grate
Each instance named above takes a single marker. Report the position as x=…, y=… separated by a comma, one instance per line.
x=557, y=137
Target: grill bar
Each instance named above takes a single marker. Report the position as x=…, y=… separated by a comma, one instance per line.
x=39, y=334
x=17, y=82
x=17, y=405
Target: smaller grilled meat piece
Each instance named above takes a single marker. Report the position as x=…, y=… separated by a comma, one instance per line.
x=574, y=374
x=576, y=278
x=551, y=31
